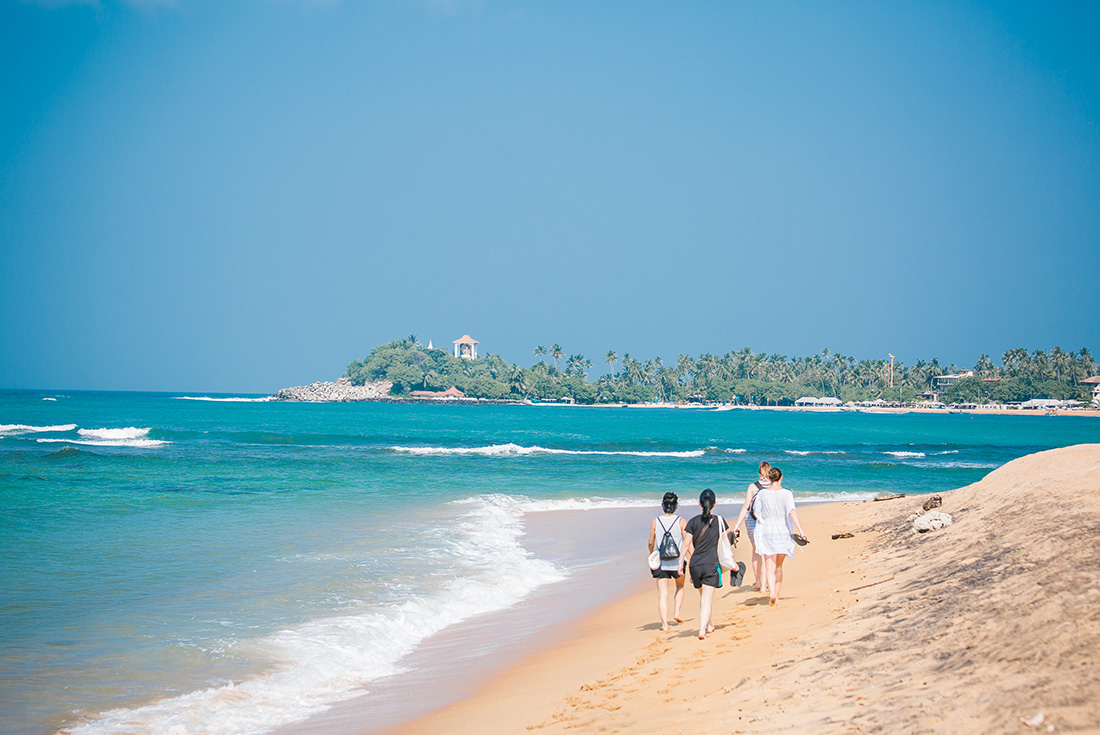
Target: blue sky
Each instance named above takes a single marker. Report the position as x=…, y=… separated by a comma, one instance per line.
x=240, y=196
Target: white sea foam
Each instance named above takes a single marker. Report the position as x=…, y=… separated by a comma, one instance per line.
x=25, y=429
x=906, y=455
x=234, y=399
x=130, y=432
x=807, y=452
x=49, y=399
x=516, y=450
x=735, y=451
x=131, y=436
x=332, y=659
x=949, y=451
x=523, y=504
x=139, y=443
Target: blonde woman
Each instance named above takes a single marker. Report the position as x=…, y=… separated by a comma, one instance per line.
x=747, y=515
x=775, y=515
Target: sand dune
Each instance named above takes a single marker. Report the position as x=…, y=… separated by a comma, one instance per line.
x=971, y=628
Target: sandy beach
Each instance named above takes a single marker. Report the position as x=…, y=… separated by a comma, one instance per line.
x=973, y=628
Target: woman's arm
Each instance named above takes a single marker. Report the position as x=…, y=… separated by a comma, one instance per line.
x=794, y=518
x=652, y=534
x=749, y=495
x=689, y=548
x=683, y=545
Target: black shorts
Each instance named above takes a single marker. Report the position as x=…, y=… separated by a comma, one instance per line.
x=708, y=574
x=665, y=573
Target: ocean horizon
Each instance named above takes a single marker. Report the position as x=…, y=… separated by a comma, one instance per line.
x=211, y=563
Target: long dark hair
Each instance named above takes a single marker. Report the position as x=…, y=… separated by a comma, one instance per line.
x=670, y=502
x=707, y=500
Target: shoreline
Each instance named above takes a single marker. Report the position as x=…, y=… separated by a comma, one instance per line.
x=342, y=391
x=975, y=627
x=619, y=652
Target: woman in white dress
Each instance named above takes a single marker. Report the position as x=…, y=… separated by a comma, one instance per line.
x=750, y=526
x=671, y=567
x=775, y=514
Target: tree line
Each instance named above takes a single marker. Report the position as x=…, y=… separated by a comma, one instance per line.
x=743, y=376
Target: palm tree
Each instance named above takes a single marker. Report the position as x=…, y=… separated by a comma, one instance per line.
x=1086, y=362
x=1059, y=360
x=517, y=382
x=985, y=367
x=557, y=353
x=540, y=351
x=685, y=368
x=610, y=359
x=1013, y=361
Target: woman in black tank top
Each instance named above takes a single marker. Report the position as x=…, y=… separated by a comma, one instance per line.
x=702, y=550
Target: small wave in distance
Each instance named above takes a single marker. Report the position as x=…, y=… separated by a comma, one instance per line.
x=516, y=450
x=25, y=429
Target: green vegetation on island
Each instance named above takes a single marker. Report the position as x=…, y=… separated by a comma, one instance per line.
x=741, y=377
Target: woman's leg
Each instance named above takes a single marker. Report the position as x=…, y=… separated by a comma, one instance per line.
x=778, y=577
x=679, y=598
x=769, y=573
x=758, y=571
x=662, y=601
x=706, y=595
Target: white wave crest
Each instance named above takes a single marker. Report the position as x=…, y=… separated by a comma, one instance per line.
x=139, y=443
x=949, y=451
x=735, y=451
x=131, y=436
x=264, y=399
x=516, y=450
x=25, y=429
x=130, y=432
x=807, y=452
x=523, y=504
x=325, y=661
x=906, y=455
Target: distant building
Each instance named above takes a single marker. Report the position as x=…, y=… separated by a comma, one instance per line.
x=943, y=382
x=829, y=402
x=466, y=346
x=1094, y=381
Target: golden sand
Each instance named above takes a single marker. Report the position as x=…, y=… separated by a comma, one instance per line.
x=972, y=628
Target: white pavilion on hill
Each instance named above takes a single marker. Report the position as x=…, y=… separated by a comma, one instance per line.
x=466, y=346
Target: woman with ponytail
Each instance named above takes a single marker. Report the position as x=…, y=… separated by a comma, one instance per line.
x=702, y=553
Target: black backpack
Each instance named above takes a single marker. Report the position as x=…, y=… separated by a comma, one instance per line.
x=668, y=548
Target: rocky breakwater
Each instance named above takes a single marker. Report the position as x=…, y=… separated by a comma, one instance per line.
x=342, y=391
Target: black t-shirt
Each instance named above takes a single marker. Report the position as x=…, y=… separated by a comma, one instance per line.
x=705, y=539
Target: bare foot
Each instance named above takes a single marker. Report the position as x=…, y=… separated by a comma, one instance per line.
x=678, y=619
x=774, y=601
x=664, y=628
x=756, y=588
x=702, y=636
x=710, y=629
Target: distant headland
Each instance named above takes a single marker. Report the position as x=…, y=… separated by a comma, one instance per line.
x=405, y=370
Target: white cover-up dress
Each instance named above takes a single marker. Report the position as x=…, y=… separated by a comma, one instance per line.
x=773, y=521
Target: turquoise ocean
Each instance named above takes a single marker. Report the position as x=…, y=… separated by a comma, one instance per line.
x=231, y=565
